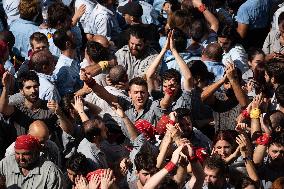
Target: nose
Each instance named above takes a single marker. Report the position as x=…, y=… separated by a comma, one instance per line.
x=222, y=151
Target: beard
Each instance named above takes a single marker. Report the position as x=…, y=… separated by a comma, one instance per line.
x=135, y=52
x=32, y=98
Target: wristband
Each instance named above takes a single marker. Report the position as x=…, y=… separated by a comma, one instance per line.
x=103, y=65
x=245, y=113
x=202, y=8
x=91, y=83
x=263, y=140
x=171, y=122
x=170, y=166
x=255, y=113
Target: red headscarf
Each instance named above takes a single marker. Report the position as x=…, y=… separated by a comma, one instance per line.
x=27, y=142
x=146, y=128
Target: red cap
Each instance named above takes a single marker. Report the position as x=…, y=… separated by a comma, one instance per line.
x=27, y=142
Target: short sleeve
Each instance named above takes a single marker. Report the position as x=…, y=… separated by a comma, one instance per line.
x=243, y=16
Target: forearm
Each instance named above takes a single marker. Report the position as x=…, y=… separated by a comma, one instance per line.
x=75, y=20
x=180, y=176
x=255, y=127
x=150, y=74
x=251, y=170
x=259, y=154
x=83, y=116
x=163, y=150
x=156, y=179
x=185, y=71
x=239, y=93
x=65, y=124
x=212, y=20
x=197, y=178
x=130, y=128
x=211, y=89
x=165, y=102
x=242, y=30
x=5, y=108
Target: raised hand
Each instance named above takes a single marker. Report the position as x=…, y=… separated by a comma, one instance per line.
x=94, y=182
x=80, y=11
x=256, y=102
x=118, y=109
x=244, y=145
x=107, y=179
x=81, y=183
x=78, y=104
x=7, y=79
x=54, y=107
x=231, y=72
x=196, y=3
x=177, y=154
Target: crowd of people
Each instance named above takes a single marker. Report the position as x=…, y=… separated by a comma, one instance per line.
x=142, y=94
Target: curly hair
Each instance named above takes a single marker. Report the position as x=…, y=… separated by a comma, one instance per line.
x=170, y=74
x=78, y=163
x=146, y=161
x=27, y=76
x=216, y=162
x=58, y=13
x=28, y=9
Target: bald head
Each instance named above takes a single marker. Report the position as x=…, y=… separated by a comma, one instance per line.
x=39, y=130
x=101, y=39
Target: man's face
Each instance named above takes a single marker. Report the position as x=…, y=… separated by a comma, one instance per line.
x=212, y=179
x=38, y=46
x=26, y=158
x=276, y=152
x=223, y=148
x=136, y=46
x=138, y=94
x=143, y=176
x=225, y=43
x=30, y=91
x=171, y=84
x=127, y=18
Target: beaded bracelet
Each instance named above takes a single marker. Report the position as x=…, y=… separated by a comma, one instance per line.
x=255, y=113
x=263, y=140
x=202, y=8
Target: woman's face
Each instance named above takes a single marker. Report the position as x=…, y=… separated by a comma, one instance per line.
x=223, y=148
x=256, y=60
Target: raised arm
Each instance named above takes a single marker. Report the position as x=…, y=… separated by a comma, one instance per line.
x=65, y=124
x=79, y=107
x=188, y=79
x=211, y=19
x=129, y=125
x=5, y=108
x=78, y=14
x=231, y=73
x=207, y=94
x=98, y=89
x=151, y=72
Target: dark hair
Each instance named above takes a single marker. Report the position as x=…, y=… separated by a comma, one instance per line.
x=40, y=59
x=278, y=120
x=199, y=70
x=180, y=39
x=214, y=52
x=182, y=112
x=279, y=94
x=27, y=76
x=281, y=18
x=167, y=183
x=278, y=183
x=198, y=29
x=259, y=76
x=180, y=19
x=252, y=52
x=91, y=130
x=229, y=32
x=117, y=74
x=58, y=13
x=78, y=163
x=96, y=51
x=138, y=81
x=137, y=31
x=277, y=138
x=226, y=135
x=172, y=73
x=245, y=182
x=60, y=38
x=38, y=37
x=275, y=69
x=145, y=160
x=66, y=103
x=216, y=162
x=9, y=37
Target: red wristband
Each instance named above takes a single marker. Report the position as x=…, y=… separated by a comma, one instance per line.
x=245, y=113
x=263, y=140
x=170, y=166
x=171, y=122
x=202, y=8
x=91, y=83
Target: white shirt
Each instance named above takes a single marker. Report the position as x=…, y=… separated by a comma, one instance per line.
x=90, y=5
x=11, y=10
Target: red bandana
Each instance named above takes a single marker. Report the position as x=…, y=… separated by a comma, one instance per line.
x=27, y=142
x=146, y=128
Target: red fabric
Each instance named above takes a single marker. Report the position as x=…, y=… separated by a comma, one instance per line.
x=94, y=173
x=170, y=166
x=263, y=140
x=146, y=128
x=200, y=154
x=161, y=125
x=2, y=70
x=169, y=92
x=27, y=142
